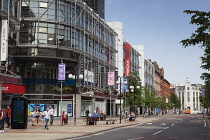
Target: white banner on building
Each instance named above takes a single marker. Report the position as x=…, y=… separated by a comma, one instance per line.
x=4, y=38
x=89, y=76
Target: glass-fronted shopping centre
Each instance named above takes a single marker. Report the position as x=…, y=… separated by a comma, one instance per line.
x=62, y=31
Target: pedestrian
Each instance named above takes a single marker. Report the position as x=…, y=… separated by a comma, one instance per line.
x=51, y=114
x=8, y=116
x=87, y=112
x=33, y=117
x=42, y=118
x=1, y=120
x=37, y=114
x=47, y=118
x=95, y=114
x=63, y=117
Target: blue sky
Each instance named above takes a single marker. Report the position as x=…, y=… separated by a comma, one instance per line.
x=160, y=25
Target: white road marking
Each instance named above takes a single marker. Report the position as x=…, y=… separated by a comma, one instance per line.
x=99, y=133
x=157, y=132
x=162, y=124
x=166, y=127
x=148, y=123
x=173, y=124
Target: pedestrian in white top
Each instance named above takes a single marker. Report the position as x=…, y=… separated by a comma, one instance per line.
x=47, y=118
x=51, y=115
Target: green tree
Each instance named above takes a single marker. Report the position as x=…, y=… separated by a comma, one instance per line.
x=136, y=96
x=201, y=37
x=174, y=101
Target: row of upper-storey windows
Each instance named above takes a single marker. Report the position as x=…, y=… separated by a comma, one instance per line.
x=4, y=5
x=46, y=33
x=134, y=58
x=50, y=9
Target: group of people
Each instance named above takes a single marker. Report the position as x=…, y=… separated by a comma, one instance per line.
x=46, y=117
x=87, y=113
x=5, y=115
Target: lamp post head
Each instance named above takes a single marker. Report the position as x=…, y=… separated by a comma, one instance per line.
x=118, y=82
x=131, y=87
x=70, y=76
x=81, y=76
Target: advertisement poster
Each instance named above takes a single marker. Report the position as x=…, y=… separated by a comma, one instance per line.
x=18, y=111
x=40, y=107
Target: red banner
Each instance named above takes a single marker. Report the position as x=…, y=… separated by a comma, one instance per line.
x=10, y=88
x=127, y=60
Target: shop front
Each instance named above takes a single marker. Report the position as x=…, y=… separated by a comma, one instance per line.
x=41, y=105
x=9, y=91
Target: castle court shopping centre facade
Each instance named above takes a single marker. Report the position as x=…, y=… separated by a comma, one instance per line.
x=68, y=31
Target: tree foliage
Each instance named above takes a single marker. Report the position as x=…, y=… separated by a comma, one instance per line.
x=201, y=37
x=142, y=96
x=174, y=101
x=134, y=98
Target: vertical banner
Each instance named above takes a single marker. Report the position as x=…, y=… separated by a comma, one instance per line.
x=203, y=92
x=4, y=38
x=61, y=71
x=166, y=100
x=111, y=78
x=125, y=80
x=127, y=60
x=96, y=74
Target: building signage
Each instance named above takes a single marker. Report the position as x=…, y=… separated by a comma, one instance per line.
x=82, y=64
x=125, y=80
x=10, y=88
x=4, y=39
x=89, y=76
x=96, y=73
x=111, y=78
x=42, y=102
x=8, y=79
x=127, y=60
x=61, y=71
x=69, y=108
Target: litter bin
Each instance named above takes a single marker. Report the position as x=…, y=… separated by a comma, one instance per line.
x=101, y=117
x=66, y=119
x=104, y=117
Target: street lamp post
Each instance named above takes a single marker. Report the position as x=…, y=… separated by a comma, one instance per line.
x=80, y=77
x=134, y=104
x=120, y=83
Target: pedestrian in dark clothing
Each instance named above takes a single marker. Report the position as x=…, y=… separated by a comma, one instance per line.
x=8, y=116
x=1, y=120
x=87, y=112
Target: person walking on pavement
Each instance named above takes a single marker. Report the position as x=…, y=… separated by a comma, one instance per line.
x=87, y=112
x=8, y=116
x=47, y=118
x=37, y=114
x=51, y=114
x=33, y=117
x=1, y=120
x=63, y=117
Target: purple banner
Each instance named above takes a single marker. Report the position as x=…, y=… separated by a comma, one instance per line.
x=61, y=71
x=203, y=92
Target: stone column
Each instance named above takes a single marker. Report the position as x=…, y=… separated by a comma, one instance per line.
x=78, y=105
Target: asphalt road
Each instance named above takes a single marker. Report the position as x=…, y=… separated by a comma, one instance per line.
x=174, y=127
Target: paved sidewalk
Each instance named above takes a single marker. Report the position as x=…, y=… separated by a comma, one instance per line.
x=58, y=132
